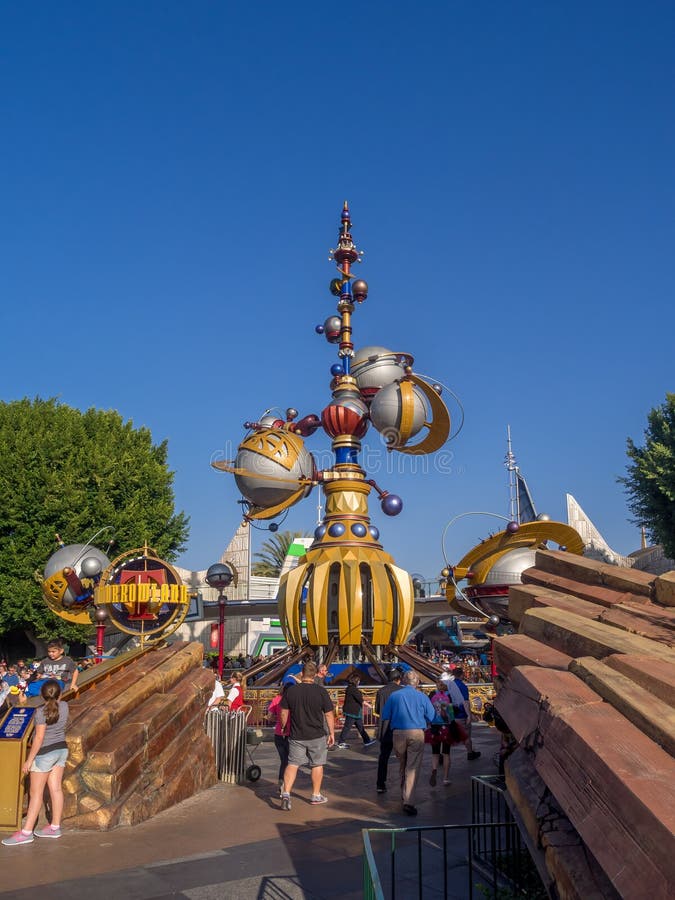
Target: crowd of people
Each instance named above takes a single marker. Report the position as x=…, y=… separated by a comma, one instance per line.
x=476, y=666
x=24, y=678
x=304, y=731
x=304, y=719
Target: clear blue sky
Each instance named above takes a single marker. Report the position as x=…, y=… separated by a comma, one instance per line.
x=172, y=177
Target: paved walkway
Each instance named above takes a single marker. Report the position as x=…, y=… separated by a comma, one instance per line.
x=234, y=841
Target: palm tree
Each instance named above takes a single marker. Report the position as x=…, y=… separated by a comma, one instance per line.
x=272, y=554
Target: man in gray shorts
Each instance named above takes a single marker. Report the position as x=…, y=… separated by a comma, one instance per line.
x=310, y=709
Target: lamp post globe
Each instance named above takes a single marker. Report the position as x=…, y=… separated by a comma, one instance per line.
x=219, y=576
x=101, y=618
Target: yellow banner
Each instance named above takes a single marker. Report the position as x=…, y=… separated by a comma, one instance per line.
x=130, y=594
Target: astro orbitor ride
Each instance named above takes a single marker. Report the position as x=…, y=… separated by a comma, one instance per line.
x=347, y=589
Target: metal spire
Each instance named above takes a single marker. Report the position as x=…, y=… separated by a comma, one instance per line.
x=512, y=468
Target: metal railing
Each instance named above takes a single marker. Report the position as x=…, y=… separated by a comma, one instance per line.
x=429, y=861
x=504, y=853
x=426, y=860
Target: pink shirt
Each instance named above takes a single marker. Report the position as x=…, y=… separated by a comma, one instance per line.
x=273, y=710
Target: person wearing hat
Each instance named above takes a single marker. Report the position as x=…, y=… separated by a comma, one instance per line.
x=452, y=689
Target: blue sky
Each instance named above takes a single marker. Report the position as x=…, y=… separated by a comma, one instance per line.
x=172, y=177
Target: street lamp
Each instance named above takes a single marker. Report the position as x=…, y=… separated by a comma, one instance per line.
x=101, y=616
x=220, y=576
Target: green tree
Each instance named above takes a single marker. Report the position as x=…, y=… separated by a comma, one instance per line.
x=650, y=482
x=65, y=471
x=270, y=559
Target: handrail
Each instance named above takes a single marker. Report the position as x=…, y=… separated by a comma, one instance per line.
x=372, y=882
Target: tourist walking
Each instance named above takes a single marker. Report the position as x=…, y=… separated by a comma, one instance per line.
x=312, y=731
x=463, y=712
x=407, y=712
x=45, y=762
x=281, y=733
x=385, y=735
x=440, y=733
x=451, y=687
x=352, y=708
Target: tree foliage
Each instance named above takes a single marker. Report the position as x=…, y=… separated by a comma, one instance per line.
x=65, y=471
x=270, y=559
x=650, y=482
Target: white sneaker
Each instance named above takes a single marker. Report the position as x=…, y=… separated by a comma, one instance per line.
x=343, y=746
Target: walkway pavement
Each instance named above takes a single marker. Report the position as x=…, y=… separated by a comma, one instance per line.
x=234, y=841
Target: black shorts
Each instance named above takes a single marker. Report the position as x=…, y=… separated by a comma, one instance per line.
x=439, y=748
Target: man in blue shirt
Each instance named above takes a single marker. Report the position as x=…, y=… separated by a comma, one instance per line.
x=408, y=712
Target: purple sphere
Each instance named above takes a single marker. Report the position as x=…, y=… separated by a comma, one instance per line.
x=359, y=530
x=391, y=505
x=336, y=369
x=319, y=329
x=374, y=533
x=337, y=529
x=512, y=527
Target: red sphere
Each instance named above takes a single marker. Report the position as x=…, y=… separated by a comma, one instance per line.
x=345, y=418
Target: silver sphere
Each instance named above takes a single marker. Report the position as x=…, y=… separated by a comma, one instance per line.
x=332, y=328
x=291, y=413
x=268, y=420
x=277, y=480
x=509, y=568
x=73, y=556
x=543, y=517
x=374, y=368
x=219, y=576
x=386, y=412
x=91, y=566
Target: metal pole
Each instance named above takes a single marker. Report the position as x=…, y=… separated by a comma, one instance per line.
x=221, y=633
x=100, y=633
x=101, y=618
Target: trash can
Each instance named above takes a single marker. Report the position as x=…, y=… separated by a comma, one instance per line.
x=227, y=731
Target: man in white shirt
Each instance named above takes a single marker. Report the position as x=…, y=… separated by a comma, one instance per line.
x=218, y=693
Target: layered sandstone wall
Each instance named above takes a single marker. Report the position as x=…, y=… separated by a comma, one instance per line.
x=590, y=697
x=136, y=739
